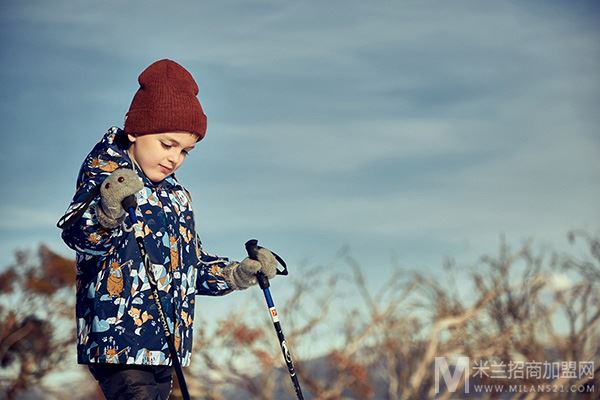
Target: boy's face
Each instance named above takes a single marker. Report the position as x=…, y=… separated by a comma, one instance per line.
x=161, y=154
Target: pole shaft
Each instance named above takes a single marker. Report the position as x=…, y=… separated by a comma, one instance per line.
x=252, y=249
x=284, y=348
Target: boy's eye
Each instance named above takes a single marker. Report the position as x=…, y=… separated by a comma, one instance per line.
x=166, y=146
x=185, y=153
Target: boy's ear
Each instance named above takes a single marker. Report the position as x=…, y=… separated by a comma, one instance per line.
x=132, y=137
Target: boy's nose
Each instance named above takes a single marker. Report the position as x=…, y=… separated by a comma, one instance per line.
x=172, y=158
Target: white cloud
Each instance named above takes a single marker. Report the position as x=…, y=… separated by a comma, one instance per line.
x=346, y=146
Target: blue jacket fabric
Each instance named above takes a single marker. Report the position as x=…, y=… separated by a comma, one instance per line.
x=117, y=320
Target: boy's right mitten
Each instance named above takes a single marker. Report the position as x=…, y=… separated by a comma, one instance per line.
x=120, y=183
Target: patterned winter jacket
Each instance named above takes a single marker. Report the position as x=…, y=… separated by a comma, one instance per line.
x=117, y=322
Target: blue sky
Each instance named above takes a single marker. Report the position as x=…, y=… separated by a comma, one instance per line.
x=409, y=131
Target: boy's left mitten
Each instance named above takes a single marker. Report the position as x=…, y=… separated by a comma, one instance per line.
x=243, y=275
x=120, y=183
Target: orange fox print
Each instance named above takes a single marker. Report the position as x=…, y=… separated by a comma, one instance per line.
x=114, y=284
x=106, y=166
x=95, y=163
x=174, y=253
x=109, y=166
x=112, y=356
x=187, y=319
x=185, y=233
x=94, y=238
x=177, y=336
x=137, y=318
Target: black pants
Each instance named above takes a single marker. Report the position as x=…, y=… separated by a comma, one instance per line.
x=133, y=382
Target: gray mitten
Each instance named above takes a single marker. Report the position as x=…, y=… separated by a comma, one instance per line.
x=243, y=275
x=120, y=183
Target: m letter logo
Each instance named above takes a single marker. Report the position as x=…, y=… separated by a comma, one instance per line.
x=451, y=380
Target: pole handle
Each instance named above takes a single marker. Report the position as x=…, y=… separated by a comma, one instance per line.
x=129, y=202
x=252, y=250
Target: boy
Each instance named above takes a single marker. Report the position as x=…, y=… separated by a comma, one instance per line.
x=119, y=335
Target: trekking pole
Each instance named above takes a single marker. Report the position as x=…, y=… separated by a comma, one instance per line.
x=252, y=249
x=130, y=204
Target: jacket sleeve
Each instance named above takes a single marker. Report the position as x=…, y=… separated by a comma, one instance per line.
x=210, y=280
x=85, y=234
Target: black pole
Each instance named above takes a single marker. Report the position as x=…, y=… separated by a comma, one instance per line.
x=252, y=249
x=130, y=205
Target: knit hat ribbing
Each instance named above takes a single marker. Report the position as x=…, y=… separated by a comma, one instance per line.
x=166, y=102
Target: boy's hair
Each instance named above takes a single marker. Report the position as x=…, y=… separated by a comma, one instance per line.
x=166, y=102
x=122, y=140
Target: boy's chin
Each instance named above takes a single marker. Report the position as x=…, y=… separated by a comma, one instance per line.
x=156, y=177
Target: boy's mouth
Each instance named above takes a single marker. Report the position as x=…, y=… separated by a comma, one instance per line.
x=164, y=169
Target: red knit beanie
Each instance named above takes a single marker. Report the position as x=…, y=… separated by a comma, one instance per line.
x=166, y=102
